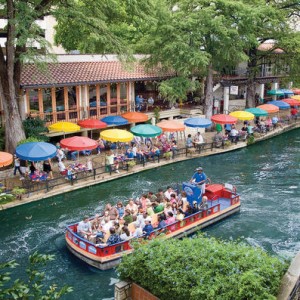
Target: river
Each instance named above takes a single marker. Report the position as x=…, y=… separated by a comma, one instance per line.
x=265, y=174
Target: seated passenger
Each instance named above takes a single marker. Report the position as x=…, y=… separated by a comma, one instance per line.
x=170, y=218
x=180, y=215
x=148, y=227
x=112, y=212
x=149, y=209
x=84, y=228
x=133, y=208
x=114, y=238
x=120, y=209
x=138, y=232
x=126, y=234
x=161, y=222
x=204, y=204
x=127, y=216
x=195, y=208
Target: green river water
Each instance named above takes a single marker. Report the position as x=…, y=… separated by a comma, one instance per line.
x=265, y=174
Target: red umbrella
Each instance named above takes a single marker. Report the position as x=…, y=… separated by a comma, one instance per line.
x=296, y=91
x=291, y=101
x=92, y=123
x=78, y=143
x=223, y=119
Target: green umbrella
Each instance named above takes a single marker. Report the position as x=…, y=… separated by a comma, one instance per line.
x=257, y=112
x=146, y=130
x=275, y=92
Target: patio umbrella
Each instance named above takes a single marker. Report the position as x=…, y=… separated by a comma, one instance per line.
x=297, y=97
x=224, y=119
x=78, y=143
x=92, y=123
x=198, y=122
x=146, y=130
x=242, y=115
x=275, y=93
x=116, y=135
x=114, y=120
x=280, y=104
x=286, y=91
x=36, y=151
x=291, y=101
x=270, y=108
x=64, y=127
x=5, y=159
x=171, y=126
x=296, y=91
x=257, y=112
x=135, y=117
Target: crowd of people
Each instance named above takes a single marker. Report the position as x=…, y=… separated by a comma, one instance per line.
x=141, y=216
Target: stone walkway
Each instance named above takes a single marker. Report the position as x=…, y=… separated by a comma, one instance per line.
x=98, y=160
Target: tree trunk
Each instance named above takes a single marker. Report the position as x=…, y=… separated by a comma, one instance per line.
x=208, y=107
x=252, y=72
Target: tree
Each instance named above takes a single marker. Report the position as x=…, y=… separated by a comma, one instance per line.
x=33, y=287
x=277, y=26
x=196, y=38
x=82, y=24
x=203, y=268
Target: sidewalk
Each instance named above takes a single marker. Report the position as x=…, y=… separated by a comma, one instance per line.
x=98, y=161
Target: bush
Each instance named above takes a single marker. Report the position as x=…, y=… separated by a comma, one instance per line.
x=30, y=139
x=250, y=140
x=203, y=268
x=35, y=128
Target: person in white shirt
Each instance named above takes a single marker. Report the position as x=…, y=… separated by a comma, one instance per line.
x=168, y=192
x=84, y=228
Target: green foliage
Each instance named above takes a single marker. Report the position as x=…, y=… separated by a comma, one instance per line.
x=156, y=112
x=30, y=139
x=167, y=155
x=203, y=268
x=131, y=163
x=250, y=140
x=33, y=287
x=34, y=128
x=177, y=88
x=6, y=198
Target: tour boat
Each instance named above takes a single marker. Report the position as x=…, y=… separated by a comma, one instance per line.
x=223, y=201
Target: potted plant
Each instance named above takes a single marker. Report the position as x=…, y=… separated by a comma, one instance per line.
x=168, y=155
x=131, y=164
x=18, y=192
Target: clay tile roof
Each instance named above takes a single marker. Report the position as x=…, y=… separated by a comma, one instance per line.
x=75, y=73
x=268, y=47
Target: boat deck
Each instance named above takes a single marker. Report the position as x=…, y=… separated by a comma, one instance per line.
x=224, y=203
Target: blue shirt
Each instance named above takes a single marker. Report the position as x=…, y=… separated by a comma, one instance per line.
x=199, y=177
x=148, y=229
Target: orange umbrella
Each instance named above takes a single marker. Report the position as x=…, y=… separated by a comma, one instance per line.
x=135, y=117
x=270, y=108
x=171, y=126
x=5, y=159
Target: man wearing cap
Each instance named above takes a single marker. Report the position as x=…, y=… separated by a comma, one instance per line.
x=199, y=178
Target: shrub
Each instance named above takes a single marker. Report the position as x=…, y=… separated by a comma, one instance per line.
x=30, y=139
x=250, y=140
x=203, y=268
x=35, y=127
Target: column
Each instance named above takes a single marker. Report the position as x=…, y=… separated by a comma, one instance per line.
x=262, y=91
x=274, y=87
x=226, y=100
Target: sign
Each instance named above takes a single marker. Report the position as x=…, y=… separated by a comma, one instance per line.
x=234, y=90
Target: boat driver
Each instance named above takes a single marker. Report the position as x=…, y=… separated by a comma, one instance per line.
x=199, y=178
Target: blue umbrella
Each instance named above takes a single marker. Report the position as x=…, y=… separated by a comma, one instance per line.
x=36, y=151
x=114, y=120
x=146, y=130
x=280, y=104
x=198, y=122
x=286, y=91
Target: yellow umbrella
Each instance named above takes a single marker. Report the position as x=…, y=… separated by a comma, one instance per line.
x=116, y=135
x=297, y=97
x=242, y=115
x=64, y=127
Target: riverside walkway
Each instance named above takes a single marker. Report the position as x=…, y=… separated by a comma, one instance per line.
x=100, y=174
